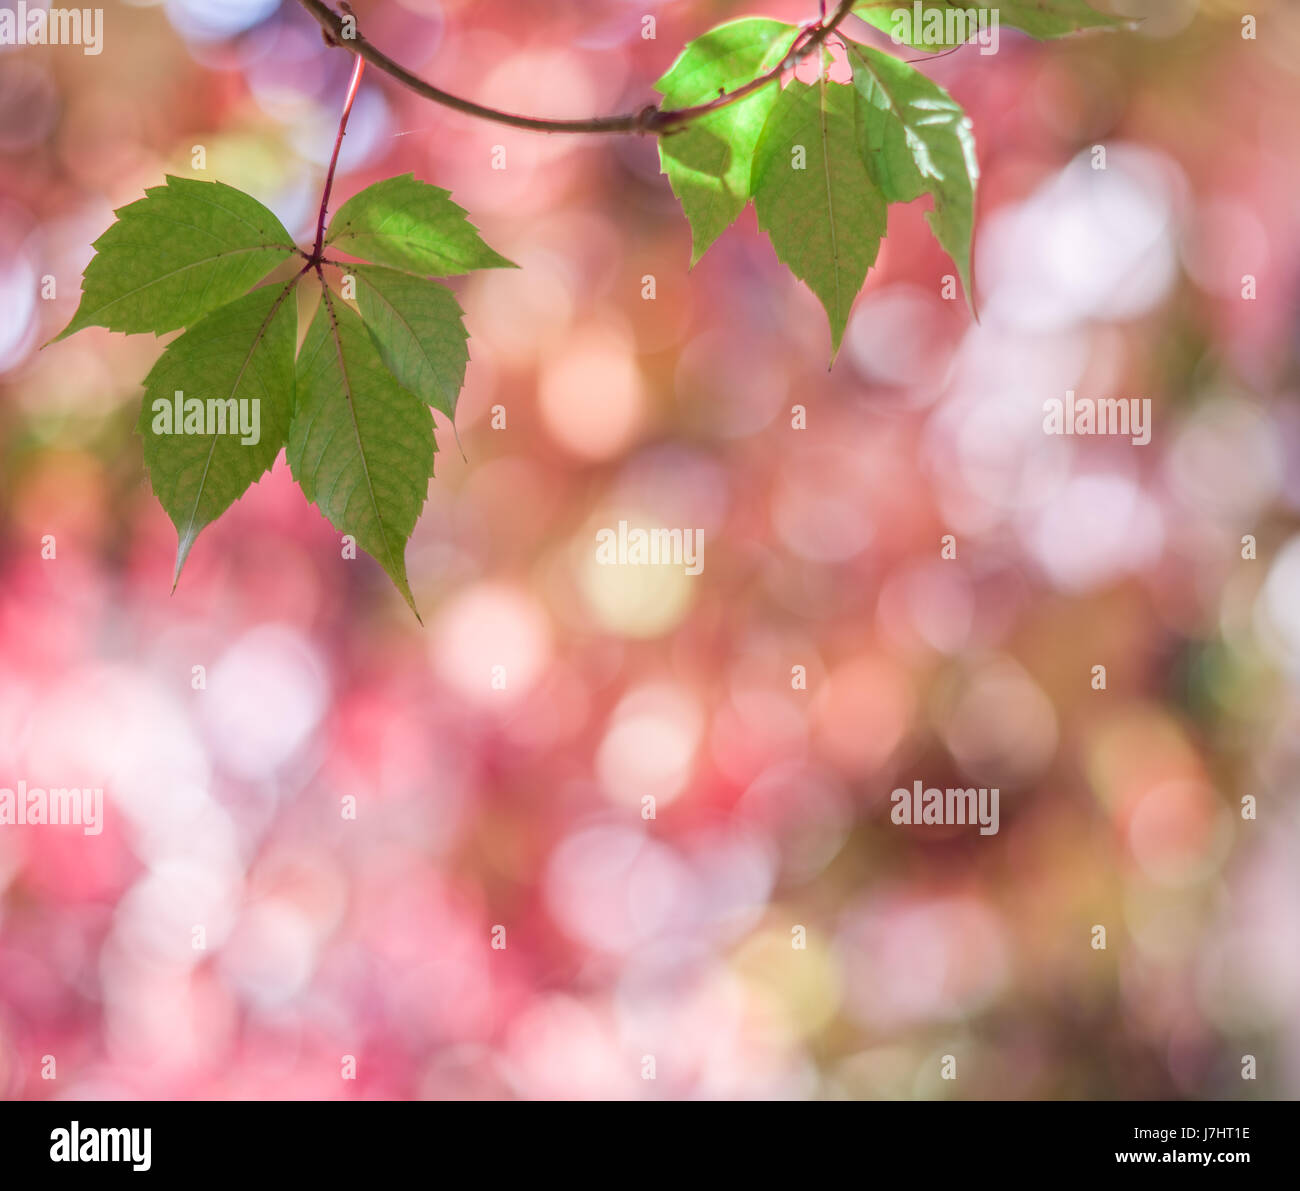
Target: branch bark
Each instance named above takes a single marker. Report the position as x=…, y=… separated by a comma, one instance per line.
x=650, y=119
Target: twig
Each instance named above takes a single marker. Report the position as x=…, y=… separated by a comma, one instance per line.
x=649, y=119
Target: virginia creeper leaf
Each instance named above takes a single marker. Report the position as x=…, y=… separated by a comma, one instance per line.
x=360, y=445
x=915, y=138
x=708, y=161
x=240, y=354
x=815, y=199
x=408, y=224
x=416, y=324
x=944, y=24
x=185, y=248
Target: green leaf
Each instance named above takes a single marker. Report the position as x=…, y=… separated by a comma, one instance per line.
x=914, y=138
x=241, y=353
x=944, y=24
x=708, y=161
x=411, y=225
x=416, y=324
x=360, y=446
x=182, y=250
x=815, y=198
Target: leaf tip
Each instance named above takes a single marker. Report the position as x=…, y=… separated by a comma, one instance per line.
x=837, y=341
x=395, y=569
x=459, y=447
x=71, y=329
x=971, y=304
x=184, y=542
x=405, y=588
x=697, y=253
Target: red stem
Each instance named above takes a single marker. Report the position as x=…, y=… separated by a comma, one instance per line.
x=359, y=66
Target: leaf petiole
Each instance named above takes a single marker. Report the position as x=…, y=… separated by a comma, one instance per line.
x=358, y=66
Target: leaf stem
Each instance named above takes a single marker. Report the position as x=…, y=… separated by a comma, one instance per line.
x=317, y=250
x=649, y=119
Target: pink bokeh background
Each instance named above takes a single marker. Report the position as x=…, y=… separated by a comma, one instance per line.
x=520, y=806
